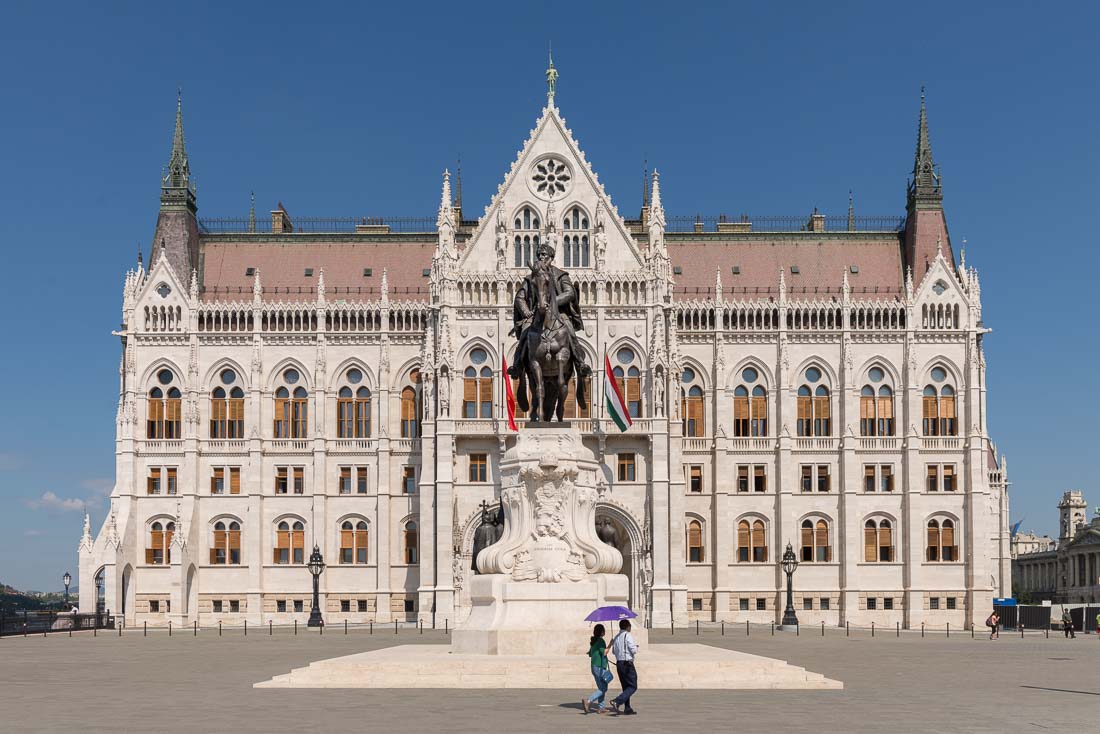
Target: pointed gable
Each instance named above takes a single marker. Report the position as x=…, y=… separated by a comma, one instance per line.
x=550, y=177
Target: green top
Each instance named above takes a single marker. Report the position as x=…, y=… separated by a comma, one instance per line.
x=597, y=653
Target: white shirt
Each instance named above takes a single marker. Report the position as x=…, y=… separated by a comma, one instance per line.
x=624, y=647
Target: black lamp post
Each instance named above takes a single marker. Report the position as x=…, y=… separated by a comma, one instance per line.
x=316, y=567
x=66, y=579
x=790, y=563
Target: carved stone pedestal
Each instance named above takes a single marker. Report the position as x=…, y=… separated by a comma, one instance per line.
x=549, y=570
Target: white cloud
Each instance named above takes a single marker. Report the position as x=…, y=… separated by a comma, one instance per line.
x=51, y=501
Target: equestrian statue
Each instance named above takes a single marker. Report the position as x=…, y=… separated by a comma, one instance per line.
x=546, y=315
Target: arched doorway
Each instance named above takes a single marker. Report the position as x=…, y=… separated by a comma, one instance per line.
x=617, y=528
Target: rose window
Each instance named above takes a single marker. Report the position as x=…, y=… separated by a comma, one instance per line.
x=550, y=178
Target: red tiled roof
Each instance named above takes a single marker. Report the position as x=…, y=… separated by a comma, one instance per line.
x=821, y=264
x=282, y=269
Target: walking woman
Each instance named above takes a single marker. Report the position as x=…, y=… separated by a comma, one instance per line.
x=597, y=654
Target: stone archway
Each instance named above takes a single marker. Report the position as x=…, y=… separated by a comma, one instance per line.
x=617, y=527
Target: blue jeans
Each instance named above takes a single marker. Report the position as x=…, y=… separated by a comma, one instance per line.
x=597, y=697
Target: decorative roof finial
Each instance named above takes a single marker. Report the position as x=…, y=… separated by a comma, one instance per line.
x=385, y=287
x=257, y=288
x=251, y=211
x=139, y=256
x=718, y=285
x=551, y=78
x=458, y=183
x=179, y=170
x=926, y=180
x=645, y=182
x=851, y=212
x=846, y=288
x=939, y=247
x=321, y=286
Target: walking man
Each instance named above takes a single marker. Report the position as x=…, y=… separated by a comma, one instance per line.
x=625, y=647
x=1067, y=624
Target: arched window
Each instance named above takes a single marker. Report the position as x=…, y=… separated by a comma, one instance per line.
x=628, y=378
x=410, y=407
x=226, y=549
x=526, y=241
x=164, y=408
x=227, y=408
x=750, y=406
x=477, y=387
x=354, y=538
x=752, y=544
x=878, y=541
x=814, y=416
x=696, y=553
x=159, y=552
x=691, y=399
x=574, y=241
x=942, y=545
x=291, y=407
x=411, y=543
x=938, y=406
x=815, y=541
x=290, y=542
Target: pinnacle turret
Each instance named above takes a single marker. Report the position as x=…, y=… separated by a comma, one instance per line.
x=177, y=190
x=926, y=178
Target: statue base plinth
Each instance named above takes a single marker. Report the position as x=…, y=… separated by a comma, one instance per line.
x=526, y=618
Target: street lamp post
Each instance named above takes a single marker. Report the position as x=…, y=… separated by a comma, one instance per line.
x=66, y=579
x=790, y=563
x=316, y=567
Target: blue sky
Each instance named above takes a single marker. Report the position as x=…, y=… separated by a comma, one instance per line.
x=354, y=110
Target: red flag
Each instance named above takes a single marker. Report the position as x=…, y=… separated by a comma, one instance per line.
x=509, y=396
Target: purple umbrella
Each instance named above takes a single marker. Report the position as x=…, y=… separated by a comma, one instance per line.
x=609, y=614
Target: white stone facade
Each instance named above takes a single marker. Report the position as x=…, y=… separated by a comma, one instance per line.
x=629, y=302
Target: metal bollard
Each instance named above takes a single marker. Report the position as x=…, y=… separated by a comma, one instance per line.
x=972, y=630
x=421, y=626
x=446, y=626
x=949, y=629
x=195, y=624
x=847, y=629
x=395, y=626
x=1021, y=632
x=797, y=627
x=246, y=628
x=219, y=628
x=723, y=628
x=144, y=629
x=899, y=629
x=372, y=626
x=295, y=628
x=922, y=629
x=119, y=630
x=872, y=629
x=746, y=628
x=345, y=626
x=321, y=628
x=169, y=628
x=269, y=630
x=822, y=628
x=697, y=628
x=773, y=629
x=672, y=625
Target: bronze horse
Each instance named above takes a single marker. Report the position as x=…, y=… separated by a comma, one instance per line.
x=549, y=359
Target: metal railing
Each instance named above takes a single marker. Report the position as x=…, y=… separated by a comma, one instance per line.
x=745, y=223
x=335, y=225
x=38, y=623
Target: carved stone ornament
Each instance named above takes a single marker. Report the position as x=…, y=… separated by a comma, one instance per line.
x=549, y=499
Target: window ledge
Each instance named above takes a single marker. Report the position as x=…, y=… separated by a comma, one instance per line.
x=948, y=564
x=752, y=563
x=881, y=563
x=284, y=565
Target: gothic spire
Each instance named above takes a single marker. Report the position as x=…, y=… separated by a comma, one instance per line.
x=645, y=183
x=926, y=179
x=851, y=212
x=657, y=211
x=176, y=186
x=251, y=211
x=458, y=185
x=551, y=79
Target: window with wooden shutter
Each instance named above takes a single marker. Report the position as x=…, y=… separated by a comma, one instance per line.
x=693, y=412
x=172, y=412
x=469, y=394
x=152, y=482
x=822, y=416
x=282, y=543
x=235, y=480
x=345, y=413
x=626, y=467
x=412, y=544
x=298, y=542
x=408, y=480
x=886, y=477
x=742, y=479
x=823, y=483
x=949, y=550
x=234, y=543
x=933, y=478
x=867, y=411
x=410, y=424
x=633, y=394
x=362, y=413
x=347, y=542
x=155, y=408
x=805, y=412
x=885, y=542
x=345, y=480
x=361, y=541
x=169, y=531
x=930, y=412
x=821, y=542
x=172, y=480
x=485, y=393
x=155, y=553
x=217, y=481
x=870, y=542
x=759, y=479
x=948, y=425
x=361, y=480
x=281, y=426
x=299, y=480
x=807, y=479
x=236, y=414
x=885, y=411
x=948, y=477
x=741, y=412
x=221, y=544
x=695, y=479
x=695, y=542
x=219, y=414
x=869, y=478
x=759, y=545
x=807, y=541
x=932, y=552
x=479, y=467
x=759, y=412
x=281, y=480
x=744, y=543
x=299, y=414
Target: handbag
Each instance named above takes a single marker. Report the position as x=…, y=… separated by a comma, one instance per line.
x=606, y=676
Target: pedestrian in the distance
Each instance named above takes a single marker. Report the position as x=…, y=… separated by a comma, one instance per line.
x=1097, y=626
x=993, y=621
x=624, y=647
x=597, y=654
x=1067, y=624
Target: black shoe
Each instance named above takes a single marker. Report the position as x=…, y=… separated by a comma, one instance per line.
x=614, y=706
x=629, y=712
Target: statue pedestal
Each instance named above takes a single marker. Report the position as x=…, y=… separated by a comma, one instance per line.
x=549, y=570
x=529, y=618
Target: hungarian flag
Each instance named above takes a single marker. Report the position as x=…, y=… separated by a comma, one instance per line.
x=616, y=406
x=509, y=396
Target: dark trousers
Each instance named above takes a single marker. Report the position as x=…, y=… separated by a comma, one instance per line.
x=1067, y=628
x=628, y=678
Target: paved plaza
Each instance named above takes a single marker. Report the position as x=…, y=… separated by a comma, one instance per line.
x=205, y=683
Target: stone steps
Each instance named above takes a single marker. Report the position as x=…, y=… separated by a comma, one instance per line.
x=659, y=667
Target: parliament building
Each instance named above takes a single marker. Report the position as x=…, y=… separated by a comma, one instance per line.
x=289, y=382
